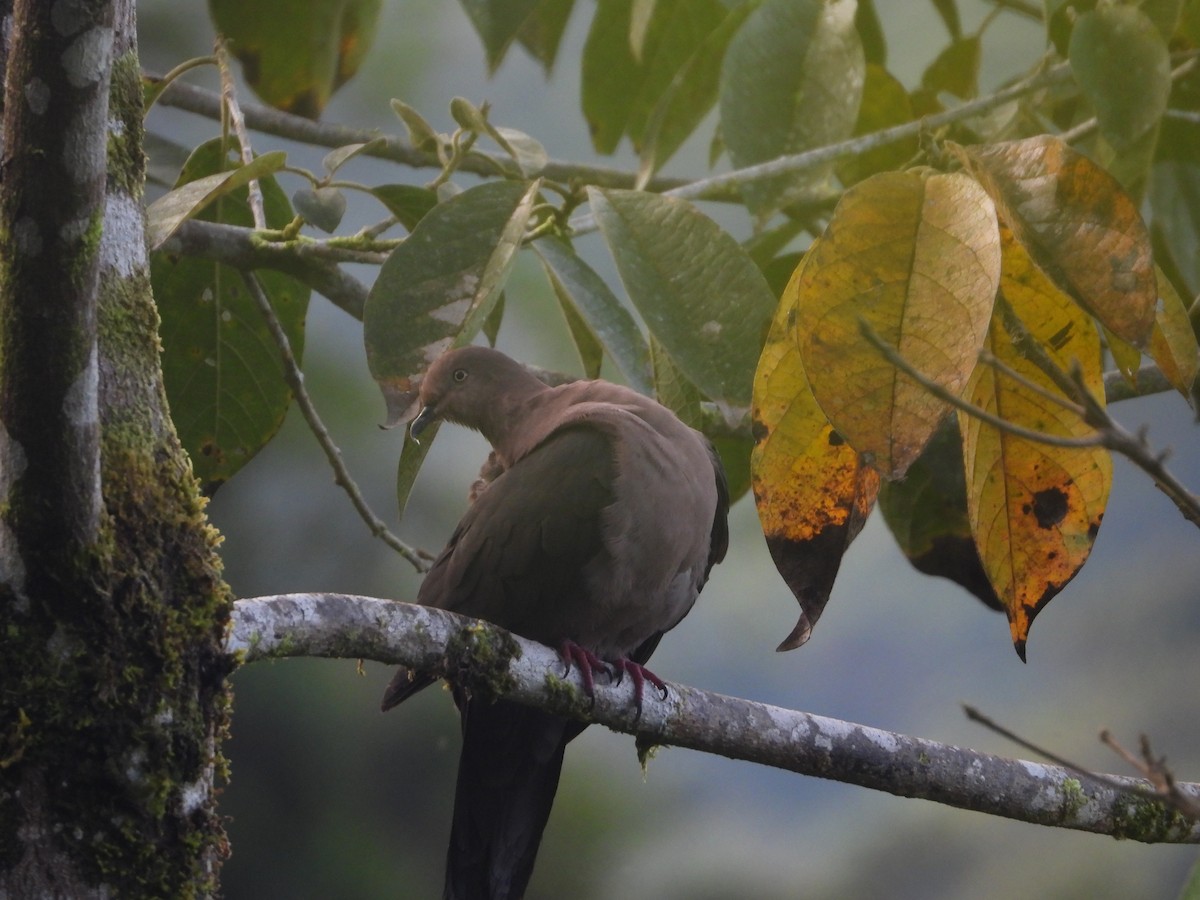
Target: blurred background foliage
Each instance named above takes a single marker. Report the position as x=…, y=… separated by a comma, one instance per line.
x=328, y=798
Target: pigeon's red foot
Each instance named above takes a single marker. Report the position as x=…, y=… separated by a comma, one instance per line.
x=590, y=665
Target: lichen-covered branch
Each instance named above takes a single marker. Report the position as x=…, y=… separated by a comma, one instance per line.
x=489, y=658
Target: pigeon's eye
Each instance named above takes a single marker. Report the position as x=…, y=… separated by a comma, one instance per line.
x=460, y=375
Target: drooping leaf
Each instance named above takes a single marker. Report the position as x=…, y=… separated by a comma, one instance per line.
x=1078, y=224
x=1173, y=341
x=222, y=370
x=690, y=95
x=792, y=79
x=1174, y=193
x=338, y=157
x=812, y=491
x=927, y=514
x=407, y=202
x=435, y=290
x=948, y=10
x=697, y=290
x=189, y=199
x=673, y=390
x=955, y=71
x=542, y=31
x=1035, y=508
x=498, y=22
x=1129, y=97
x=587, y=345
x=1126, y=357
x=621, y=92
x=579, y=287
x=493, y=320
x=870, y=31
x=296, y=53
x=916, y=257
x=885, y=103
x=321, y=207
x=421, y=134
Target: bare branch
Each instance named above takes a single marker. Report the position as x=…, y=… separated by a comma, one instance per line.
x=285, y=125
x=338, y=625
x=238, y=121
x=342, y=477
x=242, y=249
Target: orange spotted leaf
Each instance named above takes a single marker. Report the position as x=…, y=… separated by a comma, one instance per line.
x=1034, y=507
x=811, y=489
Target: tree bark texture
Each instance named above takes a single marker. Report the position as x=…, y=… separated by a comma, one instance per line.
x=113, y=698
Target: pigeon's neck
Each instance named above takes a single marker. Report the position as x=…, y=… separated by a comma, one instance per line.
x=505, y=419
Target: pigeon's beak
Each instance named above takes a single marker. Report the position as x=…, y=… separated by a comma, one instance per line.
x=426, y=417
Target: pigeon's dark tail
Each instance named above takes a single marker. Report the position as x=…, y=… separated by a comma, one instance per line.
x=507, y=777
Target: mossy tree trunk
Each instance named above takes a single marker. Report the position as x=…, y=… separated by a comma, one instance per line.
x=113, y=699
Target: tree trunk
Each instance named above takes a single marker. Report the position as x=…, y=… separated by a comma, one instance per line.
x=113, y=699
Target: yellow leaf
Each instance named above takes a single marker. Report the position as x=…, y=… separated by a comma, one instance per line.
x=1077, y=223
x=1173, y=342
x=812, y=492
x=915, y=256
x=1034, y=508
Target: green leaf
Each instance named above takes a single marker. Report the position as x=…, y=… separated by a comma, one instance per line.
x=406, y=202
x=190, y=198
x=674, y=391
x=948, y=10
x=542, y=31
x=421, y=134
x=1175, y=199
x=223, y=375
x=1129, y=97
x=956, y=70
x=296, y=53
x=437, y=288
x=698, y=291
x=690, y=95
x=591, y=351
x=620, y=92
x=580, y=288
x=498, y=22
x=321, y=207
x=870, y=31
x=335, y=159
x=885, y=103
x=792, y=80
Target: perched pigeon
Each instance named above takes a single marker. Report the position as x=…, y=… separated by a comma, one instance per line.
x=595, y=533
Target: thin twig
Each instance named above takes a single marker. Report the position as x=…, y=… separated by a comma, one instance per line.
x=1152, y=771
x=200, y=101
x=229, y=98
x=242, y=248
x=892, y=355
x=295, y=380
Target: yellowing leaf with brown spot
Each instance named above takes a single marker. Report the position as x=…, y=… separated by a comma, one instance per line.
x=1077, y=223
x=1034, y=508
x=812, y=492
x=916, y=257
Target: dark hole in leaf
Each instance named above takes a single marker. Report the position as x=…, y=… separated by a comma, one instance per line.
x=1049, y=507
